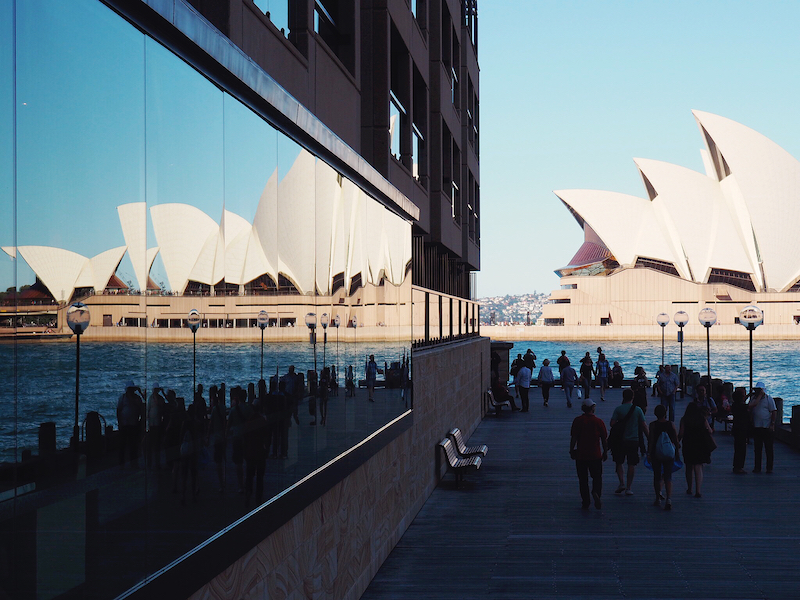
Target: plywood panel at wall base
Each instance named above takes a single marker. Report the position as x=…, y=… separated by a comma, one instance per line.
x=333, y=548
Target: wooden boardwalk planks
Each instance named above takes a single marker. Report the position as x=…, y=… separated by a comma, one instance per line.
x=515, y=529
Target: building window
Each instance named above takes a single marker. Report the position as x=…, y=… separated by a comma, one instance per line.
x=397, y=117
x=419, y=10
x=454, y=87
x=417, y=149
x=658, y=265
x=277, y=11
x=334, y=24
x=733, y=278
x=454, y=199
x=554, y=322
x=323, y=20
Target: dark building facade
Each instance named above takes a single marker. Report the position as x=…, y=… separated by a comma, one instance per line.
x=398, y=81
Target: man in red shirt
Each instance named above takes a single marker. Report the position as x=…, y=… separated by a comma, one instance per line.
x=589, y=448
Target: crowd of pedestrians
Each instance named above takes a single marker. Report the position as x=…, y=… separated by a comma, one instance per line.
x=630, y=438
x=254, y=428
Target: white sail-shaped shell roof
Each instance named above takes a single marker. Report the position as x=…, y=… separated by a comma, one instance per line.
x=693, y=206
x=738, y=220
x=133, y=219
x=626, y=224
x=238, y=233
x=296, y=223
x=262, y=249
x=103, y=266
x=57, y=269
x=182, y=232
x=311, y=225
x=768, y=181
x=329, y=195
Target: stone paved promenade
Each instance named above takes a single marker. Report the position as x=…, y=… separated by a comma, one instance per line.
x=515, y=529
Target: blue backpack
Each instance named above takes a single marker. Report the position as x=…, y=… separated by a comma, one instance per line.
x=665, y=449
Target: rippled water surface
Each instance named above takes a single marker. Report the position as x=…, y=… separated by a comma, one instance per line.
x=42, y=386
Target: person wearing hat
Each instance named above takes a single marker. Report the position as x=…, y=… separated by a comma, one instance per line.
x=155, y=417
x=764, y=412
x=589, y=448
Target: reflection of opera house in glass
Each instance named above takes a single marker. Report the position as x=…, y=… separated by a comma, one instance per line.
x=317, y=239
x=723, y=239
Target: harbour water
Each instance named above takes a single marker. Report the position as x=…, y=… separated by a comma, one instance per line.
x=42, y=387
x=776, y=363
x=37, y=381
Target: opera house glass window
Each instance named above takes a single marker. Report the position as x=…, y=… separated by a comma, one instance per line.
x=237, y=286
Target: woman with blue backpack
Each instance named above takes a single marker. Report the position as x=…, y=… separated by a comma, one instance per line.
x=662, y=452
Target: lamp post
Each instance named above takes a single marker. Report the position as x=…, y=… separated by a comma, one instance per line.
x=193, y=321
x=324, y=320
x=662, y=319
x=311, y=323
x=751, y=317
x=263, y=321
x=707, y=318
x=335, y=323
x=78, y=320
x=681, y=319
x=355, y=335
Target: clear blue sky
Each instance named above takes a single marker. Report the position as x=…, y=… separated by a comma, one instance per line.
x=572, y=91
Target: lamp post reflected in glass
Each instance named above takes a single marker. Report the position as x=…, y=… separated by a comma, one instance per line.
x=751, y=317
x=662, y=319
x=681, y=319
x=78, y=317
x=263, y=321
x=311, y=323
x=707, y=318
x=193, y=321
x=324, y=320
x=335, y=323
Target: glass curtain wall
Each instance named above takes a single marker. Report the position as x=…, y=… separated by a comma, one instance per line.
x=133, y=184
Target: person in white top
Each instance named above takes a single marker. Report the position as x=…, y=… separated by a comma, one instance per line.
x=523, y=381
x=764, y=412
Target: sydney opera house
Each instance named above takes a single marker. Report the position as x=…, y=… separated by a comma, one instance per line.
x=352, y=249
x=721, y=239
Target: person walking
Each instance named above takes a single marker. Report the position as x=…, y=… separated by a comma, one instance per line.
x=371, y=376
x=546, y=380
x=515, y=366
x=695, y=436
x=586, y=373
x=625, y=445
x=668, y=385
x=617, y=376
x=523, y=379
x=639, y=387
x=588, y=447
x=155, y=432
x=740, y=429
x=129, y=418
x=660, y=457
x=764, y=411
x=568, y=380
x=562, y=361
x=217, y=423
x=530, y=359
x=602, y=371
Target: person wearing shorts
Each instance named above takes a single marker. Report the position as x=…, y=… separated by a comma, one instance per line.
x=662, y=469
x=628, y=451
